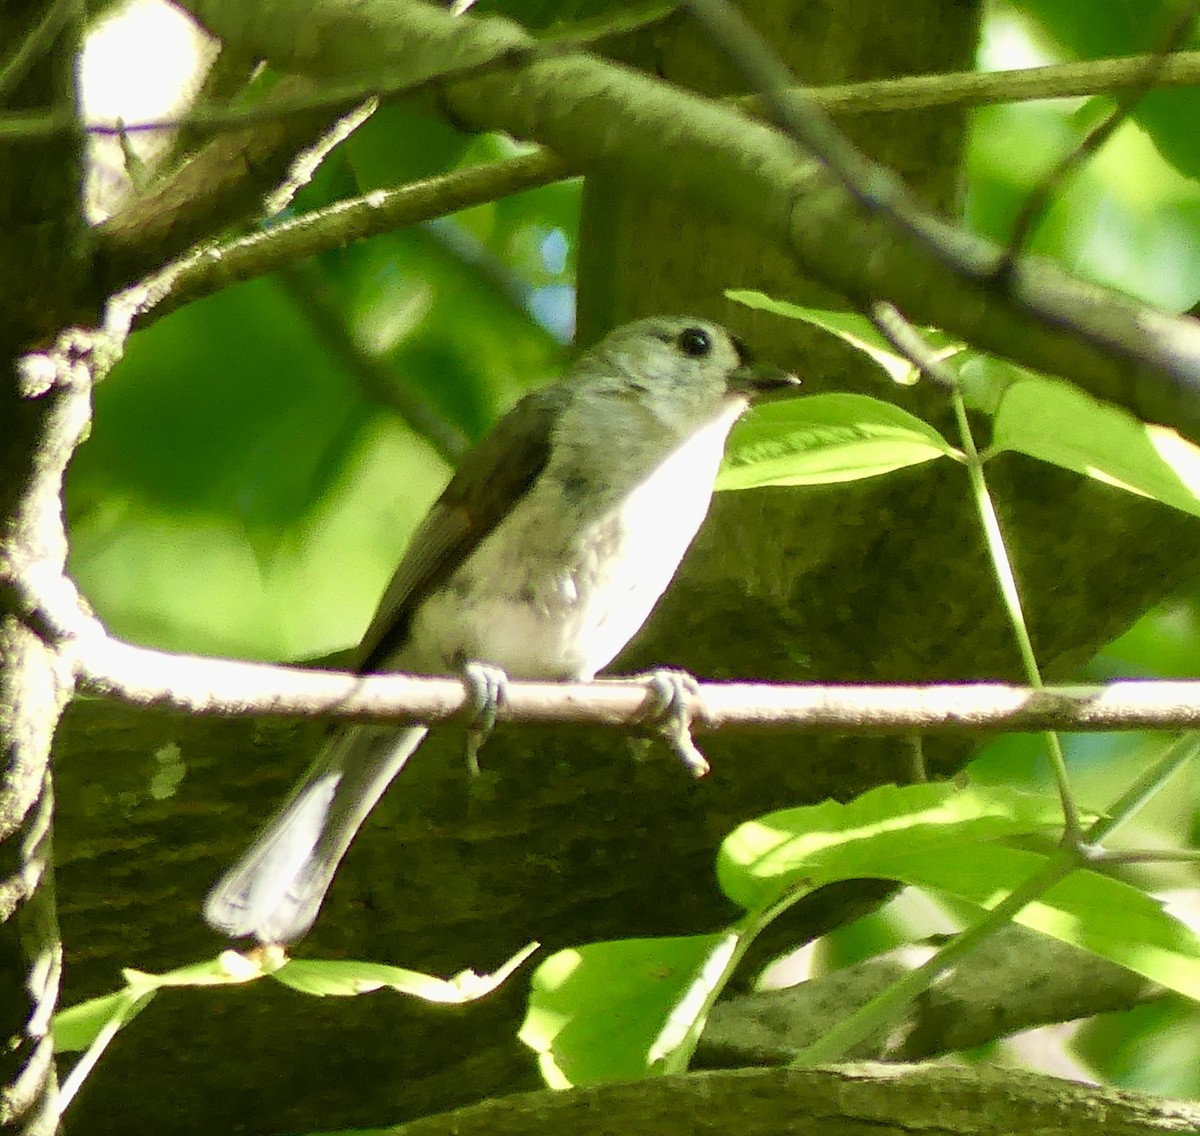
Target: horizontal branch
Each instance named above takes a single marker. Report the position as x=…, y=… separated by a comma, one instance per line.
x=874, y=96
x=209, y=686
x=984, y=88
x=209, y=269
x=882, y=1099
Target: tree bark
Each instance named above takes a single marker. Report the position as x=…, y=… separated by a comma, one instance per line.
x=43, y=408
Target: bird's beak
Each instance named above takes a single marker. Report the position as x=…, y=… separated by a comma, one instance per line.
x=761, y=381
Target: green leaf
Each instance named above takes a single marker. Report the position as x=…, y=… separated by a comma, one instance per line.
x=857, y=331
x=623, y=1010
x=346, y=978
x=825, y=438
x=948, y=841
x=91, y=1025
x=1057, y=423
x=1104, y=916
x=77, y=1027
x=764, y=859
x=229, y=968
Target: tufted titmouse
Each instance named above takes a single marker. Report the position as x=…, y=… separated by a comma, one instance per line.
x=542, y=557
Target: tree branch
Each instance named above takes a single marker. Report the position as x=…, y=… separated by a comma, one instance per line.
x=866, y=1098
x=873, y=96
x=1016, y=980
x=196, y=684
x=1110, y=345
x=225, y=182
x=1033, y=210
x=210, y=269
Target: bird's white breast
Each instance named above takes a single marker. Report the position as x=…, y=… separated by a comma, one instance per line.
x=554, y=593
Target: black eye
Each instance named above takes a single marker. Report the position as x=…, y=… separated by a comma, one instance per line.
x=694, y=341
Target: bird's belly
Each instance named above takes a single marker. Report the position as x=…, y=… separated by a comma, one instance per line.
x=559, y=616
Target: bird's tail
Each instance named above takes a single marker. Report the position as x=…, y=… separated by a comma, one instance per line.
x=275, y=890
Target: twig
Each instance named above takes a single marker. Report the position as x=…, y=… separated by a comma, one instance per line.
x=328, y=324
x=1038, y=201
x=210, y=269
x=793, y=110
x=200, y=685
x=34, y=46
x=908, y=339
x=906, y=93
x=215, y=118
x=959, y=89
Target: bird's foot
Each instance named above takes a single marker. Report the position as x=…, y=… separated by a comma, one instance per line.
x=486, y=685
x=667, y=712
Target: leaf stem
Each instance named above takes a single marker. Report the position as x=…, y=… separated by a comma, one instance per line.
x=882, y=1010
x=1002, y=566
x=1178, y=754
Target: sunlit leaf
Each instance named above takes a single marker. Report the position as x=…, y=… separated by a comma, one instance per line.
x=948, y=841
x=623, y=1010
x=856, y=330
x=91, y=1026
x=1058, y=423
x=1102, y=915
x=77, y=1027
x=817, y=439
x=347, y=978
x=810, y=846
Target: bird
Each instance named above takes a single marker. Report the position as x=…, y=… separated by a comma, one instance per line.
x=541, y=559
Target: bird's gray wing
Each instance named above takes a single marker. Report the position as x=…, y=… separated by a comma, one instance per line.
x=496, y=475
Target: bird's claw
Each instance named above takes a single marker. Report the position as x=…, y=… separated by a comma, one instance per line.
x=486, y=686
x=667, y=711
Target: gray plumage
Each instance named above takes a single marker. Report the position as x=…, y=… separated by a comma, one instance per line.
x=543, y=556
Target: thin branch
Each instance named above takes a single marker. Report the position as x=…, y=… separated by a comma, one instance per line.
x=328, y=324
x=195, y=684
x=210, y=269
x=1036, y=204
x=214, y=118
x=1152, y=856
x=35, y=45
x=223, y=184
x=987, y=88
x=794, y=112
x=909, y=341
x=905, y=93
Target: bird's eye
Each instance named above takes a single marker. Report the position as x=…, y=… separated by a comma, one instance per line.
x=694, y=341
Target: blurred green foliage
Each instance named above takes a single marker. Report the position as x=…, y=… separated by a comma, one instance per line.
x=244, y=491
